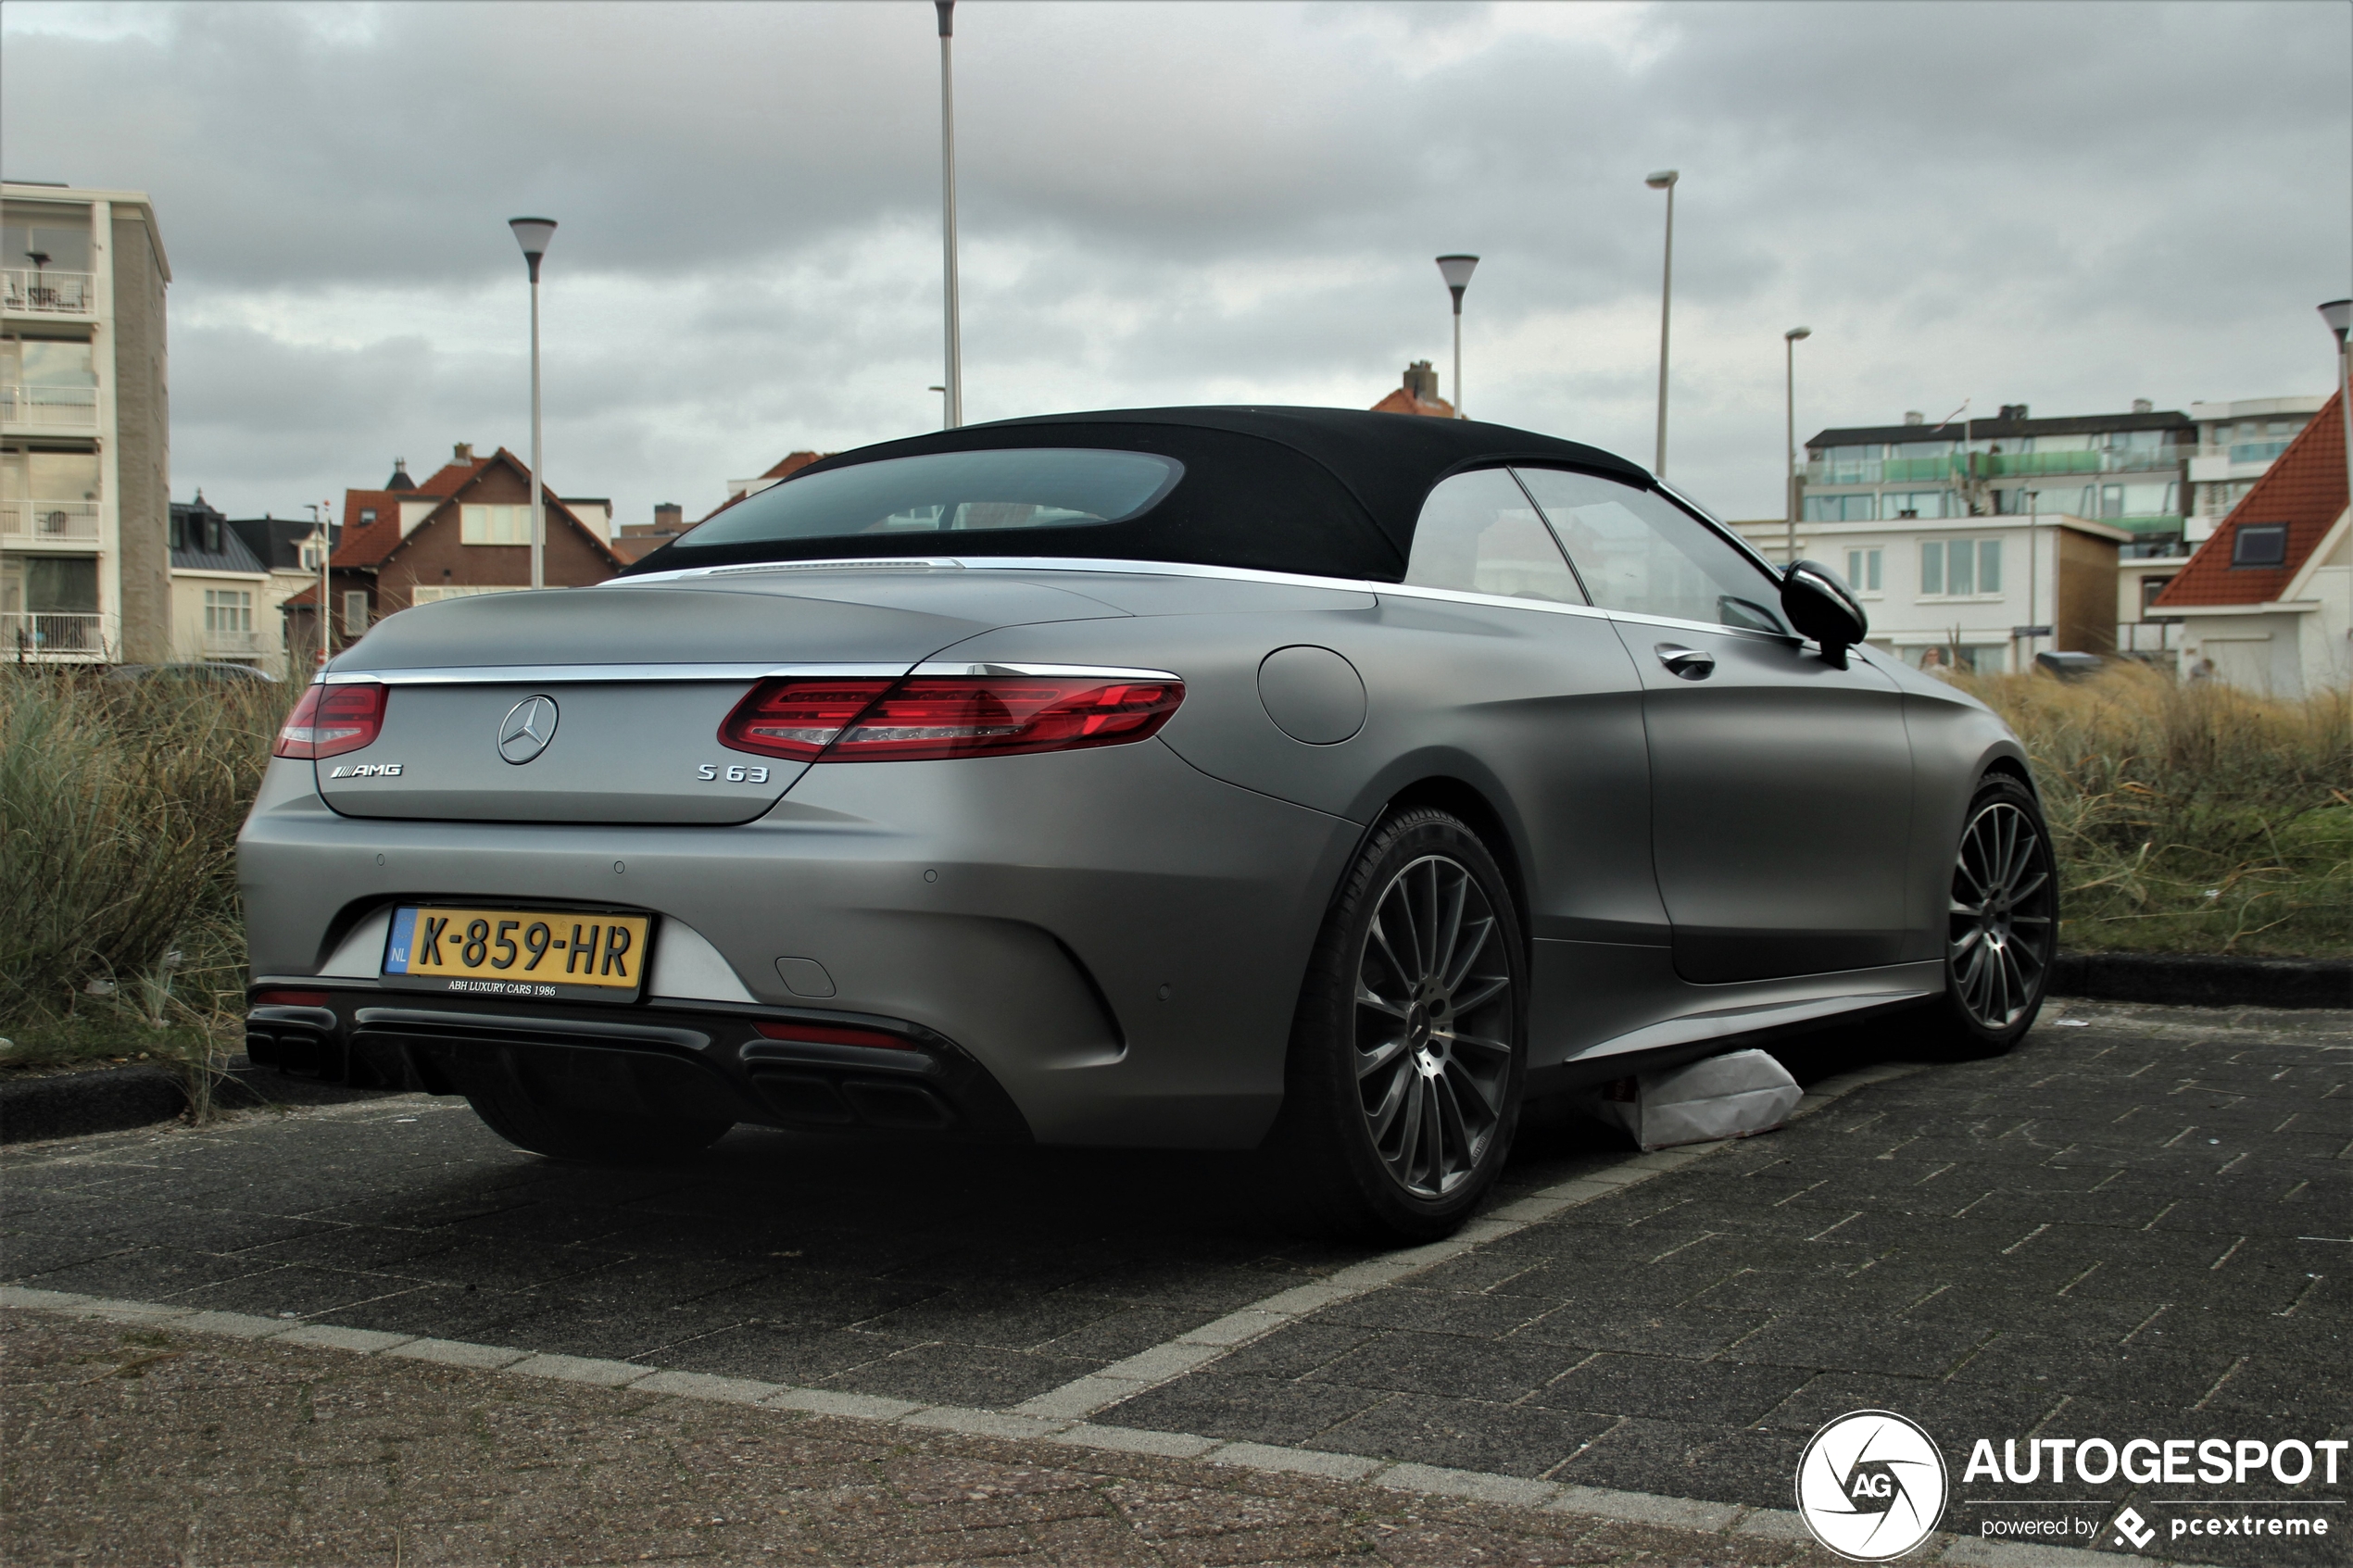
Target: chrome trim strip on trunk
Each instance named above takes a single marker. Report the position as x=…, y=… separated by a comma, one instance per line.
x=574, y=674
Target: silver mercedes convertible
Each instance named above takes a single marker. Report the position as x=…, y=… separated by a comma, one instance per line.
x=1209, y=778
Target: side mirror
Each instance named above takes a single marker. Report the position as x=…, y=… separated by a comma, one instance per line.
x=1822, y=607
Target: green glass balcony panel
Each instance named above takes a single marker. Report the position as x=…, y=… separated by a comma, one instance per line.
x=1912, y=470
x=2145, y=524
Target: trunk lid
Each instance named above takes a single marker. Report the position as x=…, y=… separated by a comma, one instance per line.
x=618, y=691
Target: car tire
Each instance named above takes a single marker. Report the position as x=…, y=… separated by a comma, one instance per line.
x=590, y=1138
x=2002, y=926
x=1408, y=1053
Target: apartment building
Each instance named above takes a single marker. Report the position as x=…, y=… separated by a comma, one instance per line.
x=1977, y=593
x=2128, y=471
x=85, y=446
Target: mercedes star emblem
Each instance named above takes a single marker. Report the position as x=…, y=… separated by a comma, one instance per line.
x=529, y=725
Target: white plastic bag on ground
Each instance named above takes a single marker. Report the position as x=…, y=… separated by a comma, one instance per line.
x=1724, y=1097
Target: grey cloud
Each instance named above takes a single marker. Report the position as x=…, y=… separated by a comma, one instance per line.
x=2066, y=204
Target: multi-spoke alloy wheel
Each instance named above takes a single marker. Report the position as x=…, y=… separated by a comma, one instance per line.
x=1408, y=1053
x=2004, y=909
x=1433, y=1026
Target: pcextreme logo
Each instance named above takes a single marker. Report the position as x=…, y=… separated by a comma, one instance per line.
x=1871, y=1485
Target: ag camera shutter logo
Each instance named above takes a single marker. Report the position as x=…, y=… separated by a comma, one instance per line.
x=1871, y=1485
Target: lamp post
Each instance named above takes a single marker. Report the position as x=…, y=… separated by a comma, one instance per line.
x=2338, y=314
x=1457, y=270
x=321, y=514
x=943, y=404
x=2033, y=574
x=1789, y=481
x=533, y=234
x=1665, y=180
x=955, y=377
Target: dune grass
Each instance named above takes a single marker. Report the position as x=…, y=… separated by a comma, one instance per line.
x=2190, y=818
x=119, y=804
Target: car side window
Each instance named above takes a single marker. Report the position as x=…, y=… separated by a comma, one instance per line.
x=1638, y=551
x=1478, y=534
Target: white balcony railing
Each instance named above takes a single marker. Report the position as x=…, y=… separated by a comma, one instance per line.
x=73, y=408
x=49, y=522
x=47, y=291
x=47, y=634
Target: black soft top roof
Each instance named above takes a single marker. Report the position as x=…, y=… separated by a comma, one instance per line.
x=1326, y=492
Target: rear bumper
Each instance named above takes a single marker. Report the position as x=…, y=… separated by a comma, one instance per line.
x=1111, y=937
x=707, y=1063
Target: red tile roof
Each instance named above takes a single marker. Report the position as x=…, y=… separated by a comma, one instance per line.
x=792, y=463
x=2305, y=489
x=1404, y=402
x=787, y=466
x=373, y=545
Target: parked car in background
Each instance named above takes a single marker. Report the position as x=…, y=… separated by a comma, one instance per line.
x=1177, y=778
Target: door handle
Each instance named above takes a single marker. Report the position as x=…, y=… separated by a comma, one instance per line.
x=1692, y=664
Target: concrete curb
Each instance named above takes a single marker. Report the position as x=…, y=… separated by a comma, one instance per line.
x=2204, y=980
x=117, y=1100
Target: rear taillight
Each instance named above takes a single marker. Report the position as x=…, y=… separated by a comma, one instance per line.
x=930, y=718
x=330, y=720
x=797, y=719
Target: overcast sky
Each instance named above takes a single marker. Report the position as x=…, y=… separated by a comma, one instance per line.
x=2069, y=206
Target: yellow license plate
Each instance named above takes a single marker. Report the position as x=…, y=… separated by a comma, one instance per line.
x=534, y=954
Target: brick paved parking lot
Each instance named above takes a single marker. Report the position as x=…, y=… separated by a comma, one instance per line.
x=2135, y=1226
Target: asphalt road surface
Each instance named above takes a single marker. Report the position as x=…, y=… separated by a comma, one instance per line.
x=2138, y=1225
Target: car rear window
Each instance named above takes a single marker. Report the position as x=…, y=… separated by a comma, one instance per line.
x=950, y=492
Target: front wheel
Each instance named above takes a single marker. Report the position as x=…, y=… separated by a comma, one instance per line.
x=1408, y=1051
x=2002, y=920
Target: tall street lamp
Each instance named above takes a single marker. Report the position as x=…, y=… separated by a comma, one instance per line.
x=2338, y=314
x=533, y=234
x=1457, y=270
x=1789, y=480
x=1665, y=180
x=2034, y=579
x=955, y=377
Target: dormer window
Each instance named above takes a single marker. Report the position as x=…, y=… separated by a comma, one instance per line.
x=367, y=516
x=2259, y=544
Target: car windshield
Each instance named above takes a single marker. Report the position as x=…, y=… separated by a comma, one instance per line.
x=950, y=492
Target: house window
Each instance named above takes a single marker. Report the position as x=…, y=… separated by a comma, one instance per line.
x=310, y=557
x=1960, y=567
x=1842, y=508
x=494, y=525
x=2150, y=588
x=355, y=611
x=367, y=516
x=227, y=610
x=2259, y=544
x=1863, y=571
x=1916, y=503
